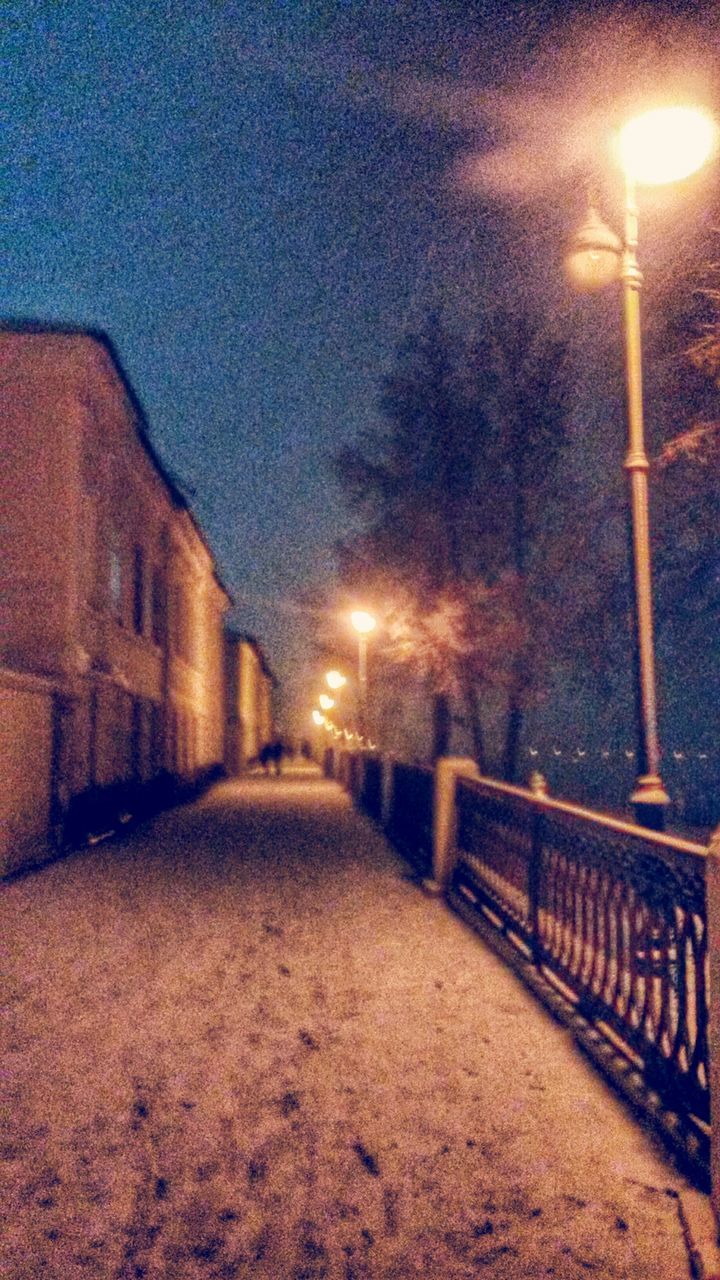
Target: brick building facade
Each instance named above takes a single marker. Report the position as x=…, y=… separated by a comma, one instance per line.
x=249, y=690
x=112, y=664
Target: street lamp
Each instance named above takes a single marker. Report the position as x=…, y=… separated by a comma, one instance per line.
x=326, y=702
x=335, y=680
x=660, y=146
x=363, y=623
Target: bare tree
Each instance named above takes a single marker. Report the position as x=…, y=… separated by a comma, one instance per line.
x=449, y=489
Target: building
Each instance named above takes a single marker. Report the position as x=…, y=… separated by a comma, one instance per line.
x=111, y=636
x=249, y=690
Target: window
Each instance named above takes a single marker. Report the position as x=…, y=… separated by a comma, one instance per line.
x=138, y=592
x=115, y=577
x=159, y=605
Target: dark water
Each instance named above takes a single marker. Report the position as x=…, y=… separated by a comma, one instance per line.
x=605, y=781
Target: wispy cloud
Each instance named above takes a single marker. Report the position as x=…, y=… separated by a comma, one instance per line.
x=555, y=108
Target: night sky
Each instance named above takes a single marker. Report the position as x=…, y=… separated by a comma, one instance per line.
x=256, y=200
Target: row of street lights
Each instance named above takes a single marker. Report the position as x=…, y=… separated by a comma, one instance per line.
x=363, y=624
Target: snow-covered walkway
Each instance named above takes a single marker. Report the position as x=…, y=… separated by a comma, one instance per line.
x=244, y=1044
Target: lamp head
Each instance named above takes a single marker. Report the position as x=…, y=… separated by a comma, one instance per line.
x=594, y=255
x=335, y=680
x=363, y=622
x=666, y=144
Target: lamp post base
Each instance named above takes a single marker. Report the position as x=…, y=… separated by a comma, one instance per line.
x=650, y=801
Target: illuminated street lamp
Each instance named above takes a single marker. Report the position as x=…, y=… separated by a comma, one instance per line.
x=318, y=718
x=363, y=623
x=326, y=702
x=660, y=146
x=335, y=680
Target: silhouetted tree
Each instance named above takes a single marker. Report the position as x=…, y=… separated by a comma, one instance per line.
x=450, y=489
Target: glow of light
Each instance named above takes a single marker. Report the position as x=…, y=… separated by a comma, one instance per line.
x=326, y=702
x=318, y=718
x=335, y=679
x=362, y=622
x=667, y=144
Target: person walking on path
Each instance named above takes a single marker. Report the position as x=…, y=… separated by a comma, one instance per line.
x=242, y=1043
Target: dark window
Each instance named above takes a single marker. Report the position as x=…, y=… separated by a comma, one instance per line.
x=159, y=606
x=139, y=592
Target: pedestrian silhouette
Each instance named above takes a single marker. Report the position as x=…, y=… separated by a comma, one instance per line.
x=271, y=756
x=277, y=752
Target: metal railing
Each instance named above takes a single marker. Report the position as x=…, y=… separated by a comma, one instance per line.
x=612, y=914
x=609, y=915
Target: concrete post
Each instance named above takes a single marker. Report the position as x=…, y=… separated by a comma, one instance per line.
x=712, y=891
x=387, y=764
x=358, y=775
x=447, y=770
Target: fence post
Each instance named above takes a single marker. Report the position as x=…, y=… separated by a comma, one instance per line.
x=712, y=891
x=387, y=765
x=359, y=777
x=447, y=771
x=539, y=787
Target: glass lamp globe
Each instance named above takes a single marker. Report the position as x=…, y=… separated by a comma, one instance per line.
x=594, y=254
x=667, y=144
x=363, y=622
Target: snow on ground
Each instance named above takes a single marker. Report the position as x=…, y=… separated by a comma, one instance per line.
x=243, y=1044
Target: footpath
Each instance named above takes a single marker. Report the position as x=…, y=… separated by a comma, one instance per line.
x=242, y=1043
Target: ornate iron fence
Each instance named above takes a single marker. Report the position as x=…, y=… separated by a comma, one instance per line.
x=410, y=821
x=612, y=914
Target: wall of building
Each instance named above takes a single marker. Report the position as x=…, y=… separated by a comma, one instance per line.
x=26, y=794
x=249, y=687
x=109, y=590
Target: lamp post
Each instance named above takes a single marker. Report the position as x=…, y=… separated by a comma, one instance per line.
x=660, y=146
x=363, y=624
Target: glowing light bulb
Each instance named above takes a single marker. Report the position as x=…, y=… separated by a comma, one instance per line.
x=667, y=144
x=363, y=622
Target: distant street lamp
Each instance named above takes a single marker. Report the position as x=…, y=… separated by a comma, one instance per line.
x=363, y=623
x=660, y=146
x=327, y=703
x=335, y=680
